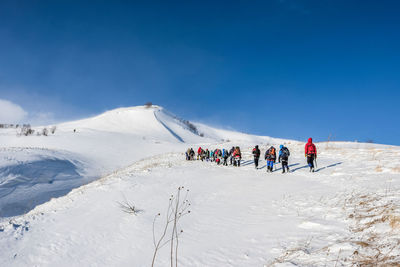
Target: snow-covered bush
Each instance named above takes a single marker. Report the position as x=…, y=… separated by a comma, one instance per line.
x=26, y=130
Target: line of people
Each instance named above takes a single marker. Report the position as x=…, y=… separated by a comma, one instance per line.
x=234, y=154
x=219, y=156
x=270, y=157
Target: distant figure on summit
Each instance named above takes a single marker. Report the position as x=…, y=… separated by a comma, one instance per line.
x=310, y=153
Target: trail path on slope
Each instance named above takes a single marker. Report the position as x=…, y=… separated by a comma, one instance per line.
x=240, y=216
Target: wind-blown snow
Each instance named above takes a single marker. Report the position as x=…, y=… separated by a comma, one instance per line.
x=342, y=214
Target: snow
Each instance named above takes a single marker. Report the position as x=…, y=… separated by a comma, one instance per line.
x=61, y=197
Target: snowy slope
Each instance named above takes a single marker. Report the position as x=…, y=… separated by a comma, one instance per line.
x=346, y=213
x=153, y=122
x=99, y=146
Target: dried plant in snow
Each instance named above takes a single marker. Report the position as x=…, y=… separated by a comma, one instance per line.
x=178, y=206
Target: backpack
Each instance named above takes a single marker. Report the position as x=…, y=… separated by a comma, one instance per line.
x=311, y=149
x=256, y=152
x=285, y=153
x=272, y=151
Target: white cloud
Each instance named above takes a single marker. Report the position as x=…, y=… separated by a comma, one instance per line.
x=11, y=112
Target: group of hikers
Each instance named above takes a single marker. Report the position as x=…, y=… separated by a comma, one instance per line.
x=217, y=155
x=235, y=156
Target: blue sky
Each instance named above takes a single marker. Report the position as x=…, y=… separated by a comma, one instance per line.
x=290, y=69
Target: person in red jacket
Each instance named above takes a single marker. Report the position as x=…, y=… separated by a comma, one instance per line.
x=199, y=151
x=310, y=153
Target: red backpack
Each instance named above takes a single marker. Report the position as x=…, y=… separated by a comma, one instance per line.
x=311, y=149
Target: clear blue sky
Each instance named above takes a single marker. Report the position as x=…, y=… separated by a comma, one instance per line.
x=289, y=69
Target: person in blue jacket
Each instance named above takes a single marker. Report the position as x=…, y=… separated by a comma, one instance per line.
x=284, y=158
x=270, y=156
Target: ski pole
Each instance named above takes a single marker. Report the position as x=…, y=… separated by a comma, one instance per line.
x=316, y=165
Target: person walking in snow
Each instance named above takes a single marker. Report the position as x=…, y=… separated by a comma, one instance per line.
x=187, y=154
x=203, y=155
x=199, y=152
x=225, y=155
x=191, y=154
x=215, y=154
x=231, y=154
x=256, y=153
x=207, y=155
x=310, y=153
x=284, y=154
x=270, y=156
x=237, y=156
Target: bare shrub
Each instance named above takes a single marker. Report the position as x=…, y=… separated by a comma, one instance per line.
x=373, y=238
x=396, y=169
x=129, y=208
x=394, y=222
x=177, y=208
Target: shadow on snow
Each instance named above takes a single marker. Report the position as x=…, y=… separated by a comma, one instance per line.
x=24, y=186
x=329, y=166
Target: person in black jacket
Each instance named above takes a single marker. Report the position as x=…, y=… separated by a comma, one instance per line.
x=284, y=157
x=256, y=153
x=231, y=154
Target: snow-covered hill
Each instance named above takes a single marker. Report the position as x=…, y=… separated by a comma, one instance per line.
x=84, y=150
x=343, y=214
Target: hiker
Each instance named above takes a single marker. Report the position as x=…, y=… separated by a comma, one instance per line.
x=191, y=154
x=284, y=154
x=187, y=154
x=310, y=153
x=231, y=154
x=225, y=156
x=207, y=155
x=256, y=153
x=215, y=155
x=270, y=156
x=199, y=152
x=203, y=155
x=237, y=156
